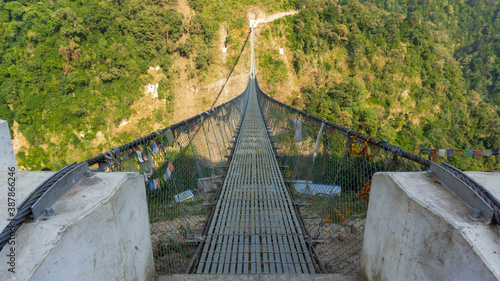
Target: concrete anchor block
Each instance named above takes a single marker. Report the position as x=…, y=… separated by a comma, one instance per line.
x=101, y=232
x=417, y=229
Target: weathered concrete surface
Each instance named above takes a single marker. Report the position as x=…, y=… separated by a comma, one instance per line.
x=7, y=156
x=100, y=232
x=490, y=181
x=258, y=277
x=418, y=230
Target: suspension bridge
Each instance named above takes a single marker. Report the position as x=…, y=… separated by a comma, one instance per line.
x=253, y=186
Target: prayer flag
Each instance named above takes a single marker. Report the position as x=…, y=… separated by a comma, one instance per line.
x=458, y=152
x=130, y=165
x=146, y=167
x=159, y=183
x=151, y=185
x=477, y=153
x=159, y=139
x=487, y=152
x=144, y=156
x=433, y=154
x=469, y=153
x=168, y=174
x=139, y=156
x=442, y=152
x=449, y=153
x=154, y=147
x=494, y=152
x=127, y=154
x=424, y=151
x=170, y=167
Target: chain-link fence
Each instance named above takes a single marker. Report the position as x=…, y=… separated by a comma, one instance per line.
x=329, y=170
x=183, y=166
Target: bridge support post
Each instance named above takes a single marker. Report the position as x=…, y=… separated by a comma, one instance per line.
x=101, y=232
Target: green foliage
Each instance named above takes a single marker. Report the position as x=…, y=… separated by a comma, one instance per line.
x=274, y=68
x=69, y=69
x=415, y=73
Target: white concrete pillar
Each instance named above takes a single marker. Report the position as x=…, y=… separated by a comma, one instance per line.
x=7, y=155
x=416, y=229
x=100, y=231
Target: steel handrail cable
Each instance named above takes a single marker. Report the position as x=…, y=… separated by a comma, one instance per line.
x=24, y=210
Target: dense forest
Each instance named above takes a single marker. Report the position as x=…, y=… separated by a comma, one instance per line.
x=421, y=74
x=416, y=73
x=71, y=69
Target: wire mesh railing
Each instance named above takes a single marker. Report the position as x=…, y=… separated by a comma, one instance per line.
x=329, y=169
x=183, y=166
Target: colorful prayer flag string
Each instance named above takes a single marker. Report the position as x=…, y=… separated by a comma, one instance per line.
x=434, y=153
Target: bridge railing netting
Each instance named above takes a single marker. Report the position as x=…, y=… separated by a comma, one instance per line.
x=183, y=166
x=329, y=170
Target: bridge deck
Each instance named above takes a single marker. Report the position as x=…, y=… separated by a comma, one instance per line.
x=254, y=229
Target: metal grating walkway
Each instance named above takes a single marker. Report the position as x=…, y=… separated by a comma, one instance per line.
x=255, y=228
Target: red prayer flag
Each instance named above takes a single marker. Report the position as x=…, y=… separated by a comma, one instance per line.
x=433, y=154
x=478, y=153
x=170, y=167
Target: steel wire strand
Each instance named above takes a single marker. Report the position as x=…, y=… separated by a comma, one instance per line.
x=24, y=210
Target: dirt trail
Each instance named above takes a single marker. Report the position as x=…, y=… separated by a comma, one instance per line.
x=270, y=18
x=183, y=8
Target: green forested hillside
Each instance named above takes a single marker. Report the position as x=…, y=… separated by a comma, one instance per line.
x=420, y=74
x=471, y=30
x=69, y=69
x=417, y=73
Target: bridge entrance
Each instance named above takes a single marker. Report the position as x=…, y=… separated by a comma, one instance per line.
x=240, y=216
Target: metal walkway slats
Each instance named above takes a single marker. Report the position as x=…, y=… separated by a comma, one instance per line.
x=254, y=229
